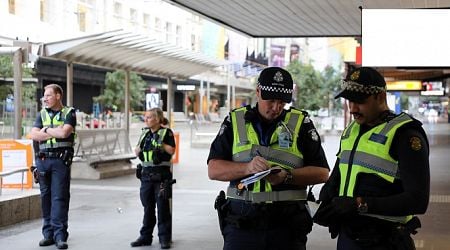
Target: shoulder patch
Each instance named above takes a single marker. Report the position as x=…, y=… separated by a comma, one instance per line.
x=222, y=129
x=415, y=143
x=314, y=135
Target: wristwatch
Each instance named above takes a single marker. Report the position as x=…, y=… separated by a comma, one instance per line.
x=289, y=178
x=362, y=205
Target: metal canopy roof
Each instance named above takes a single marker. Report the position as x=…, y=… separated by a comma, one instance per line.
x=296, y=18
x=130, y=51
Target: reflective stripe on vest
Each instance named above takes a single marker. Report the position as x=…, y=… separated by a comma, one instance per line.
x=63, y=144
x=246, y=142
x=285, y=195
x=58, y=119
x=150, y=164
x=370, y=156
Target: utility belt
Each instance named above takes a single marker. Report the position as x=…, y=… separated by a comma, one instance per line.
x=262, y=216
x=66, y=155
x=147, y=164
x=286, y=195
x=52, y=154
x=46, y=146
x=156, y=173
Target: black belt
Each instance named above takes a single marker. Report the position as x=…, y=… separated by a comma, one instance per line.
x=55, y=154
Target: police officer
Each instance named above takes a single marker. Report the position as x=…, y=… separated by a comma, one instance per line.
x=54, y=129
x=381, y=177
x=155, y=149
x=270, y=213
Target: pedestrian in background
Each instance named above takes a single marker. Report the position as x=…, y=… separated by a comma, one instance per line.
x=54, y=129
x=272, y=212
x=155, y=149
x=382, y=175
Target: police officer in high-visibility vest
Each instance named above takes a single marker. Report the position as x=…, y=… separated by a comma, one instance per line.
x=155, y=149
x=54, y=129
x=270, y=213
x=382, y=175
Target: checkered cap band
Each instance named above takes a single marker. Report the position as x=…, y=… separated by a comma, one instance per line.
x=356, y=87
x=275, y=89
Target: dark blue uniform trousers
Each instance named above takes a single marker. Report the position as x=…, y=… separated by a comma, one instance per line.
x=150, y=198
x=54, y=182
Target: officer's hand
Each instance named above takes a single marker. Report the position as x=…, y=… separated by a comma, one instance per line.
x=344, y=206
x=257, y=164
x=338, y=209
x=333, y=229
x=141, y=156
x=157, y=155
x=276, y=177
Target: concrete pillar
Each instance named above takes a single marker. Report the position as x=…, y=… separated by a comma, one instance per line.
x=69, y=84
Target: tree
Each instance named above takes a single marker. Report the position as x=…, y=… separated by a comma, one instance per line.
x=7, y=71
x=310, y=86
x=114, y=92
x=332, y=83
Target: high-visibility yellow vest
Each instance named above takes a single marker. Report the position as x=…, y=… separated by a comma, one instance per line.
x=58, y=119
x=370, y=155
x=148, y=155
x=246, y=143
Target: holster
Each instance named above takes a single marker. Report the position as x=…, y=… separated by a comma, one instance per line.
x=35, y=173
x=220, y=204
x=67, y=157
x=139, y=171
x=165, y=191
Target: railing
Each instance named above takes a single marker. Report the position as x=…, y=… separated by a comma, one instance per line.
x=10, y=172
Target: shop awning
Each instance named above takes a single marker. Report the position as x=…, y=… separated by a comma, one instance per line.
x=295, y=18
x=131, y=51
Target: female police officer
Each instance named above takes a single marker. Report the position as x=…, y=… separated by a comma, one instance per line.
x=155, y=149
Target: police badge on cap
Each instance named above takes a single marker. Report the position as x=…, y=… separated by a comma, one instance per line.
x=275, y=83
x=362, y=83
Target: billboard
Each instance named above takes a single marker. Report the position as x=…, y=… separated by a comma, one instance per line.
x=406, y=37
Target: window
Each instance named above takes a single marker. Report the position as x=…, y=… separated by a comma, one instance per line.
x=118, y=13
x=169, y=34
x=178, y=36
x=158, y=24
x=193, y=42
x=44, y=10
x=133, y=16
x=12, y=6
x=158, y=29
x=81, y=17
x=146, y=21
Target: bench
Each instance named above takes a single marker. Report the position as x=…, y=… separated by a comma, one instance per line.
x=10, y=172
x=102, y=153
x=214, y=117
x=202, y=139
x=179, y=117
x=200, y=118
